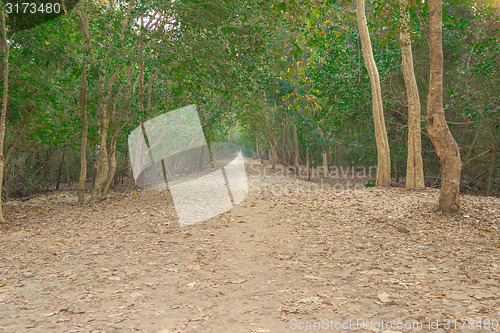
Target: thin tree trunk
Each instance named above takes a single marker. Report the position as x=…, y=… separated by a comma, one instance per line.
x=439, y=132
x=414, y=164
x=324, y=154
x=112, y=163
x=5, y=45
x=383, y=153
x=491, y=175
x=257, y=153
x=308, y=163
x=59, y=172
x=11, y=148
x=287, y=154
x=84, y=138
x=262, y=152
x=272, y=141
x=296, y=160
x=494, y=161
x=103, y=162
x=396, y=167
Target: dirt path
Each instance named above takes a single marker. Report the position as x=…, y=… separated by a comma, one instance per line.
x=290, y=256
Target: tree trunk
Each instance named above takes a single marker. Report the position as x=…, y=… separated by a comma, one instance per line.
x=296, y=160
x=273, y=157
x=308, y=163
x=414, y=164
x=491, y=175
x=257, y=152
x=439, y=132
x=103, y=162
x=396, y=167
x=5, y=45
x=286, y=156
x=493, y=165
x=262, y=152
x=383, y=153
x=83, y=141
x=324, y=154
x=111, y=169
x=59, y=172
x=272, y=141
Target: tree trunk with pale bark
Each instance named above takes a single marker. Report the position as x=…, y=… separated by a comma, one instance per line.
x=296, y=160
x=414, y=164
x=84, y=138
x=5, y=66
x=324, y=154
x=383, y=153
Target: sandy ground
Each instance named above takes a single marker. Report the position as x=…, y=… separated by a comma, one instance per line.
x=291, y=257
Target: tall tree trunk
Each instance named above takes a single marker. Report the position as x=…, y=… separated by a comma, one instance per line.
x=414, y=164
x=296, y=160
x=308, y=164
x=491, y=175
x=286, y=155
x=84, y=138
x=257, y=152
x=383, y=153
x=103, y=162
x=98, y=192
x=439, y=132
x=112, y=164
x=324, y=154
x=494, y=163
x=6, y=47
x=273, y=157
x=396, y=167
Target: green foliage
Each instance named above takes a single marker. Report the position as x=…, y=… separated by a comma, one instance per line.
x=292, y=62
x=371, y=183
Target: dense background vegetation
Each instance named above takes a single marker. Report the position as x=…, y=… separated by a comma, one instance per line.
x=261, y=73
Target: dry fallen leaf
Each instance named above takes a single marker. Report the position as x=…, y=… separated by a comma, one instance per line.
x=384, y=297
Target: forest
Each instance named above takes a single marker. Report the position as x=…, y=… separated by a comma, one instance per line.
x=404, y=93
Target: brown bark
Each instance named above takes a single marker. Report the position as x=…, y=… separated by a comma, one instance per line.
x=3, y=114
x=112, y=162
x=439, y=132
x=494, y=162
x=383, y=153
x=114, y=140
x=296, y=161
x=11, y=148
x=286, y=150
x=103, y=163
x=272, y=141
x=324, y=154
x=308, y=164
x=84, y=138
x=414, y=164
x=257, y=153
x=59, y=172
x=492, y=170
